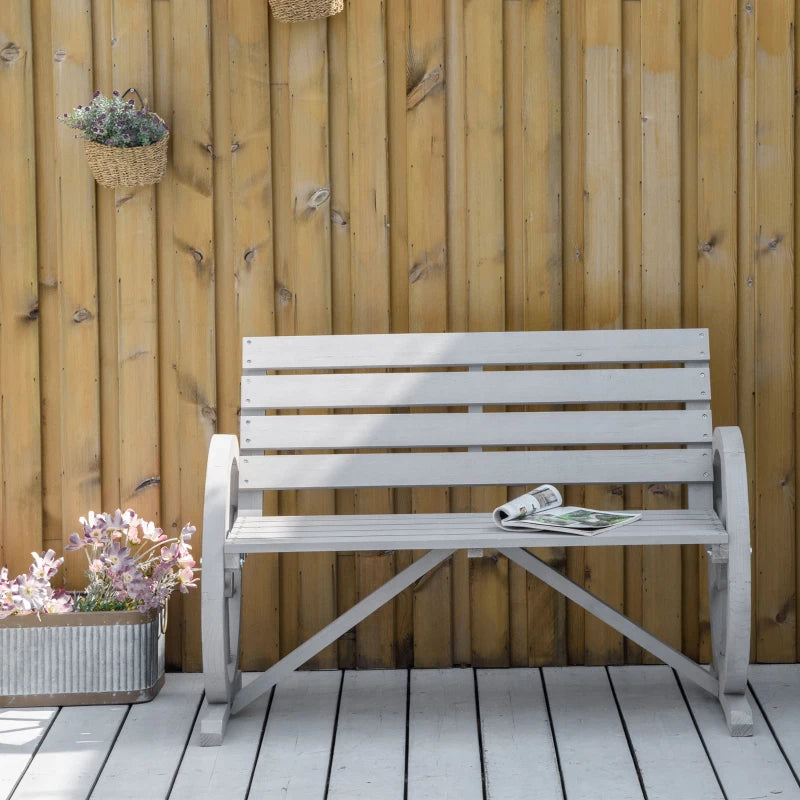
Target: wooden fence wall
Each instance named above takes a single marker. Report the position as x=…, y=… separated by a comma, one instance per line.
x=409, y=165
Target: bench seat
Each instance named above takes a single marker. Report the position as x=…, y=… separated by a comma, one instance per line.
x=304, y=534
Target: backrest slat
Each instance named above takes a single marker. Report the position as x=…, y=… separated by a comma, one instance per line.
x=364, y=470
x=509, y=429
x=420, y=394
x=465, y=349
x=414, y=389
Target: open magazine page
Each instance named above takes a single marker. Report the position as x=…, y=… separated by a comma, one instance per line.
x=542, y=498
x=572, y=519
x=541, y=509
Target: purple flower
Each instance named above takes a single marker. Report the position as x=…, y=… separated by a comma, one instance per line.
x=45, y=565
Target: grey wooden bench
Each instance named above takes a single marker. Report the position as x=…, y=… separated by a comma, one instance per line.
x=447, y=371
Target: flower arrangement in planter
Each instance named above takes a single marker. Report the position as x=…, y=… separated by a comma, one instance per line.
x=106, y=644
x=124, y=146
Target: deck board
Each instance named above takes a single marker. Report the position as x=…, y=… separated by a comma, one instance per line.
x=209, y=773
x=370, y=752
x=663, y=734
x=777, y=688
x=444, y=760
x=296, y=751
x=595, y=760
x=21, y=731
x=332, y=735
x=152, y=734
x=72, y=754
x=748, y=767
x=514, y=725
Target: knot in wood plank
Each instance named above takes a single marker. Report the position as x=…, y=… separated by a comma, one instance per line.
x=319, y=197
x=11, y=52
x=424, y=87
x=81, y=315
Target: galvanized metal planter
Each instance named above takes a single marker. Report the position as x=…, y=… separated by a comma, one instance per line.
x=80, y=658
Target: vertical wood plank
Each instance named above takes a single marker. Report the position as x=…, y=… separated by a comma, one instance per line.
x=311, y=286
x=573, y=135
x=773, y=241
x=252, y=304
x=542, y=258
x=370, y=273
x=483, y=42
x=340, y=277
x=602, y=299
x=76, y=281
x=20, y=431
x=46, y=246
x=693, y=567
x=717, y=173
x=632, y=261
x=397, y=60
x=661, y=272
x=105, y=215
x=426, y=262
x=455, y=123
x=194, y=266
x=746, y=215
x=279, y=36
x=513, y=183
x=136, y=306
x=167, y=322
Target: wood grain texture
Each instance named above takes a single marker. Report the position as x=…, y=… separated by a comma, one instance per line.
x=251, y=307
x=194, y=265
x=370, y=270
x=661, y=270
x=602, y=284
x=235, y=88
x=20, y=427
x=773, y=241
x=76, y=282
x=426, y=220
x=135, y=300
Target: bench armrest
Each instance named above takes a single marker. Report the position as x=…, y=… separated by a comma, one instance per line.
x=222, y=485
x=730, y=580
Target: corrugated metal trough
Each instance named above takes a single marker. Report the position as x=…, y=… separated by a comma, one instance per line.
x=80, y=658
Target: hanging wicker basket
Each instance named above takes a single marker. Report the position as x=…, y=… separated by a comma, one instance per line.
x=299, y=10
x=127, y=166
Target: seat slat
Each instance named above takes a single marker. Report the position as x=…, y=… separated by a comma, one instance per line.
x=446, y=531
x=349, y=431
x=362, y=470
x=380, y=390
x=459, y=349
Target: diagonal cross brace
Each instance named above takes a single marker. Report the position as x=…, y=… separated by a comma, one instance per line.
x=330, y=633
x=594, y=605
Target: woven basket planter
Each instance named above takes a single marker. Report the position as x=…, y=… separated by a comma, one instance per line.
x=299, y=10
x=80, y=658
x=127, y=166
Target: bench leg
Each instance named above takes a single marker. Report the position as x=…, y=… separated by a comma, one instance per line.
x=729, y=582
x=213, y=723
x=682, y=664
x=220, y=589
x=330, y=633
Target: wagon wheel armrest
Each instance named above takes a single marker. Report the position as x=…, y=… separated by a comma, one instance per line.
x=222, y=485
x=730, y=485
x=729, y=578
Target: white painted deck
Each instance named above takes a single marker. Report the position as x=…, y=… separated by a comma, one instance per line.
x=581, y=733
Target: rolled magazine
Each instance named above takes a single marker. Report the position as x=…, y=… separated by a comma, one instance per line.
x=541, y=509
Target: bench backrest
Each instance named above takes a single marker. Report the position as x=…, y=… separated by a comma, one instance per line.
x=389, y=392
